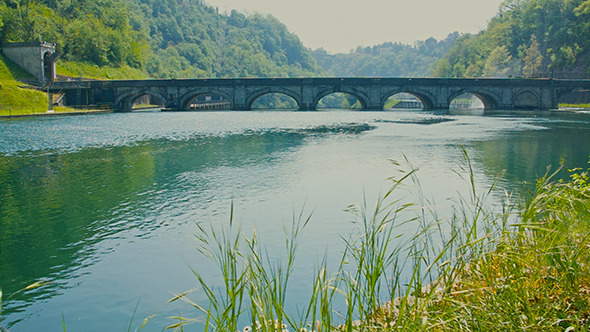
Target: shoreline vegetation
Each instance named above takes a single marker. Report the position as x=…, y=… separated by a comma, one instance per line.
x=56, y=111
x=574, y=106
x=18, y=99
x=521, y=264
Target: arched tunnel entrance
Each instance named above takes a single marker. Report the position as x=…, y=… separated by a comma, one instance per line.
x=49, y=73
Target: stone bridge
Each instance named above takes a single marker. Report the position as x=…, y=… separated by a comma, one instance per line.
x=372, y=93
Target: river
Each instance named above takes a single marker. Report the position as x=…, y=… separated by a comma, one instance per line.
x=101, y=210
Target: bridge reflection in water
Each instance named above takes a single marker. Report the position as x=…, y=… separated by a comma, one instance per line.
x=372, y=93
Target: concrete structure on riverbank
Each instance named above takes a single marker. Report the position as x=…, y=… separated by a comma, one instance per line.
x=372, y=93
x=37, y=58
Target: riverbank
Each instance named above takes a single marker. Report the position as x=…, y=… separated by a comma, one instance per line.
x=529, y=274
x=17, y=99
x=61, y=111
x=523, y=268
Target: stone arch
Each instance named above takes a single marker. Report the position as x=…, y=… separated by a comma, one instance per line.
x=187, y=98
x=124, y=103
x=425, y=97
x=48, y=66
x=251, y=98
x=362, y=98
x=489, y=101
x=526, y=99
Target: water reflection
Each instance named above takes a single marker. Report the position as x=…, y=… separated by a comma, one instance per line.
x=525, y=155
x=55, y=207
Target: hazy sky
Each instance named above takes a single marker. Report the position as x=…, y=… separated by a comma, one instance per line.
x=340, y=25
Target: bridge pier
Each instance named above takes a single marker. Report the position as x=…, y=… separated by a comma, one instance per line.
x=307, y=107
x=307, y=96
x=239, y=103
x=373, y=107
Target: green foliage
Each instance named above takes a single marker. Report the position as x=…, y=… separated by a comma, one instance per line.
x=498, y=63
x=540, y=37
x=536, y=277
x=193, y=41
x=275, y=101
x=87, y=70
x=96, y=32
x=14, y=99
x=10, y=71
x=533, y=59
x=162, y=38
x=516, y=267
x=387, y=59
x=339, y=100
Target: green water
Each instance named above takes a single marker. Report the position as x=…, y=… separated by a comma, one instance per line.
x=102, y=209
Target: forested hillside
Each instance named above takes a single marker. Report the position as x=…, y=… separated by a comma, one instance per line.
x=157, y=38
x=190, y=39
x=388, y=59
x=527, y=38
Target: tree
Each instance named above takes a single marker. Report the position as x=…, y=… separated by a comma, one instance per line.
x=533, y=59
x=509, y=5
x=443, y=68
x=498, y=63
x=474, y=70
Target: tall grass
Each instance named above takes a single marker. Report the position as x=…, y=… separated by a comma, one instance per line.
x=574, y=105
x=521, y=264
x=13, y=98
x=537, y=275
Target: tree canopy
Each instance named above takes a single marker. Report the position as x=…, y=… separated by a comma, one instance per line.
x=163, y=38
x=527, y=38
x=388, y=59
x=190, y=39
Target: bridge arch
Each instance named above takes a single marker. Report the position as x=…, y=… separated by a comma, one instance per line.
x=425, y=97
x=360, y=96
x=490, y=102
x=526, y=99
x=252, y=97
x=188, y=97
x=124, y=103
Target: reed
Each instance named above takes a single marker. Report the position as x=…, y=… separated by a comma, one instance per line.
x=520, y=264
x=32, y=286
x=536, y=276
